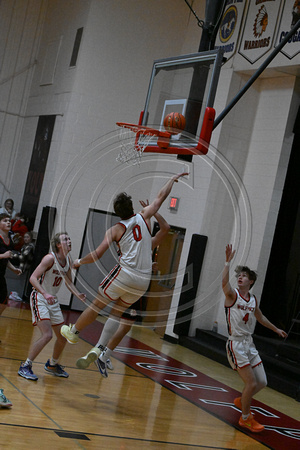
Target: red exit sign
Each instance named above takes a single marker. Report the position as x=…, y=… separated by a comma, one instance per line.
x=173, y=205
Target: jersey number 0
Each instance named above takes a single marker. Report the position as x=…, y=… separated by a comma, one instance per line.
x=137, y=234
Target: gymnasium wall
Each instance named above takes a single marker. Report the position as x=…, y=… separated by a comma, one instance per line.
x=109, y=83
x=21, y=28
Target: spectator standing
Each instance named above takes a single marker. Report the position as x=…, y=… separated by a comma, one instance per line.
x=6, y=248
x=8, y=208
x=18, y=228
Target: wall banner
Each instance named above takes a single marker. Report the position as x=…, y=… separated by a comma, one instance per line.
x=229, y=30
x=37, y=167
x=289, y=18
x=258, y=33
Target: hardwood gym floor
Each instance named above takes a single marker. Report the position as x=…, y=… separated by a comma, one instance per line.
x=138, y=406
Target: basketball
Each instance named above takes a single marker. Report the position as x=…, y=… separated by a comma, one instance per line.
x=174, y=121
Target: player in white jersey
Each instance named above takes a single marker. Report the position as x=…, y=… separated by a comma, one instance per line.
x=241, y=310
x=128, y=317
x=129, y=280
x=46, y=312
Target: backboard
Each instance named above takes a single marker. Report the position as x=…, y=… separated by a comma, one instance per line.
x=186, y=84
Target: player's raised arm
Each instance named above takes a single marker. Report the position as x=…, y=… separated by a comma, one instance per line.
x=150, y=210
x=164, y=227
x=227, y=289
x=113, y=234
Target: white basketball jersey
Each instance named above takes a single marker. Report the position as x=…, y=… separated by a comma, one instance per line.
x=135, y=245
x=240, y=315
x=51, y=279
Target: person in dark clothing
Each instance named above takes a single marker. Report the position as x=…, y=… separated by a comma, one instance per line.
x=6, y=248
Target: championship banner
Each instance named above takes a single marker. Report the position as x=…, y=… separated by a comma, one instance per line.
x=289, y=18
x=229, y=30
x=258, y=33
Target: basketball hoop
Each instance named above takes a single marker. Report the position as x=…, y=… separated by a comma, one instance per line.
x=135, y=138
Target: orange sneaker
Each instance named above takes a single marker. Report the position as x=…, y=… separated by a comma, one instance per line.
x=238, y=402
x=251, y=424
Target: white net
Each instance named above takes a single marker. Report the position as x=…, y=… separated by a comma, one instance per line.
x=132, y=144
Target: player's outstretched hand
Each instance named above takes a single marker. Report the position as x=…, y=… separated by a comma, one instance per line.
x=229, y=253
x=144, y=204
x=76, y=264
x=179, y=175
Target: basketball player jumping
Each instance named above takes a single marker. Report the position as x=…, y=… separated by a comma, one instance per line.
x=241, y=308
x=128, y=280
x=128, y=317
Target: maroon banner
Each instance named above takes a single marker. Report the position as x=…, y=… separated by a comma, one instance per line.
x=37, y=168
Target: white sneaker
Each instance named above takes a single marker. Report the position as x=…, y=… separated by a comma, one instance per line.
x=15, y=296
x=66, y=332
x=91, y=356
x=102, y=366
x=109, y=364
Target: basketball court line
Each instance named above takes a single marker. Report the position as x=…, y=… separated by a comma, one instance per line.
x=281, y=431
x=69, y=434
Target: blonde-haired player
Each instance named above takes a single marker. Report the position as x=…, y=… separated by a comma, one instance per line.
x=46, y=312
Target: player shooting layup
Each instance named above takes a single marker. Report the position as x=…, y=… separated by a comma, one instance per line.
x=129, y=280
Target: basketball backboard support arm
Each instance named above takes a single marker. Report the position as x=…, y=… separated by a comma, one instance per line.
x=254, y=77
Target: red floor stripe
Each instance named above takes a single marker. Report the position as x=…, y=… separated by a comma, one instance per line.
x=281, y=431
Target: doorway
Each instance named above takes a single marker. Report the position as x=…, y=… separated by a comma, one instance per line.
x=160, y=292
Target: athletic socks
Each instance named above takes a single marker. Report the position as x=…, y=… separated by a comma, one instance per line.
x=105, y=355
x=108, y=331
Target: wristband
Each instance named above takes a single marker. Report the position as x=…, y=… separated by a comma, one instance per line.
x=227, y=264
x=79, y=262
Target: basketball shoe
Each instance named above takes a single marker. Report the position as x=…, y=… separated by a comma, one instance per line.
x=91, y=356
x=102, y=367
x=238, y=402
x=25, y=371
x=4, y=402
x=251, y=424
x=66, y=332
x=109, y=364
x=56, y=370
